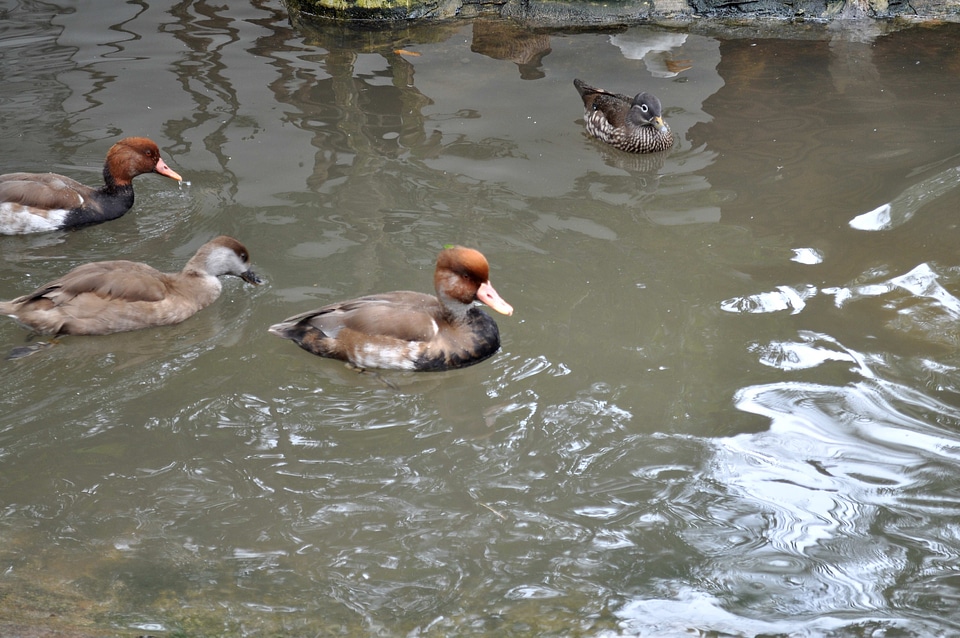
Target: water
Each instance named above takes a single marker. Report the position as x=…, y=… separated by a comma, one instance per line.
x=727, y=402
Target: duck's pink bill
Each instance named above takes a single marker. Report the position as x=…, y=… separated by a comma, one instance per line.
x=163, y=169
x=489, y=296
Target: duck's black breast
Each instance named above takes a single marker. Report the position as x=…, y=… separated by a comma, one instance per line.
x=463, y=344
x=104, y=206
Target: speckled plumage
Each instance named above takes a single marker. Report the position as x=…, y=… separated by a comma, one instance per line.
x=633, y=124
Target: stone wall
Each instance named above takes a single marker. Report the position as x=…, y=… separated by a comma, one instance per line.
x=556, y=13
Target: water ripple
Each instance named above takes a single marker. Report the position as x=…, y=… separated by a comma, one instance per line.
x=835, y=463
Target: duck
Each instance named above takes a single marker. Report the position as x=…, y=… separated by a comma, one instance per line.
x=406, y=330
x=634, y=125
x=41, y=202
x=104, y=297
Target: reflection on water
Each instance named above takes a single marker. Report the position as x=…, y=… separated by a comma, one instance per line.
x=721, y=407
x=906, y=204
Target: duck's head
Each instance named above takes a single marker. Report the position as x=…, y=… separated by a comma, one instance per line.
x=226, y=256
x=463, y=275
x=134, y=156
x=645, y=110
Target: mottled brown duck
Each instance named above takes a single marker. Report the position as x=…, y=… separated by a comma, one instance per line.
x=633, y=124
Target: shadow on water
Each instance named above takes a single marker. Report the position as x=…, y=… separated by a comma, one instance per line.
x=726, y=403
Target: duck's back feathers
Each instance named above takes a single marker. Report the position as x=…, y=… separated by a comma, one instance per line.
x=42, y=190
x=120, y=280
x=403, y=315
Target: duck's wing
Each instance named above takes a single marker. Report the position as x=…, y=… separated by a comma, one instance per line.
x=614, y=106
x=404, y=315
x=44, y=191
x=112, y=281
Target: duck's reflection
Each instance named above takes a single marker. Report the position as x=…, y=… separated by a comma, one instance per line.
x=509, y=41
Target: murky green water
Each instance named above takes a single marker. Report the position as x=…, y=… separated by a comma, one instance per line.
x=728, y=401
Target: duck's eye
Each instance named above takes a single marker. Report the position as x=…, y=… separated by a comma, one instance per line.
x=644, y=108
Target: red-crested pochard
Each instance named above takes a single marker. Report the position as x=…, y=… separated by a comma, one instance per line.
x=38, y=202
x=407, y=330
x=115, y=296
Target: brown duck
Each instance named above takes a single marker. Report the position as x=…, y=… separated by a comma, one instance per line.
x=116, y=296
x=634, y=124
x=409, y=330
x=38, y=202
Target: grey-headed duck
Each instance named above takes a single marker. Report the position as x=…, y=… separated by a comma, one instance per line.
x=116, y=296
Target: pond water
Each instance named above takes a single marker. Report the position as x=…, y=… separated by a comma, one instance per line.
x=728, y=402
